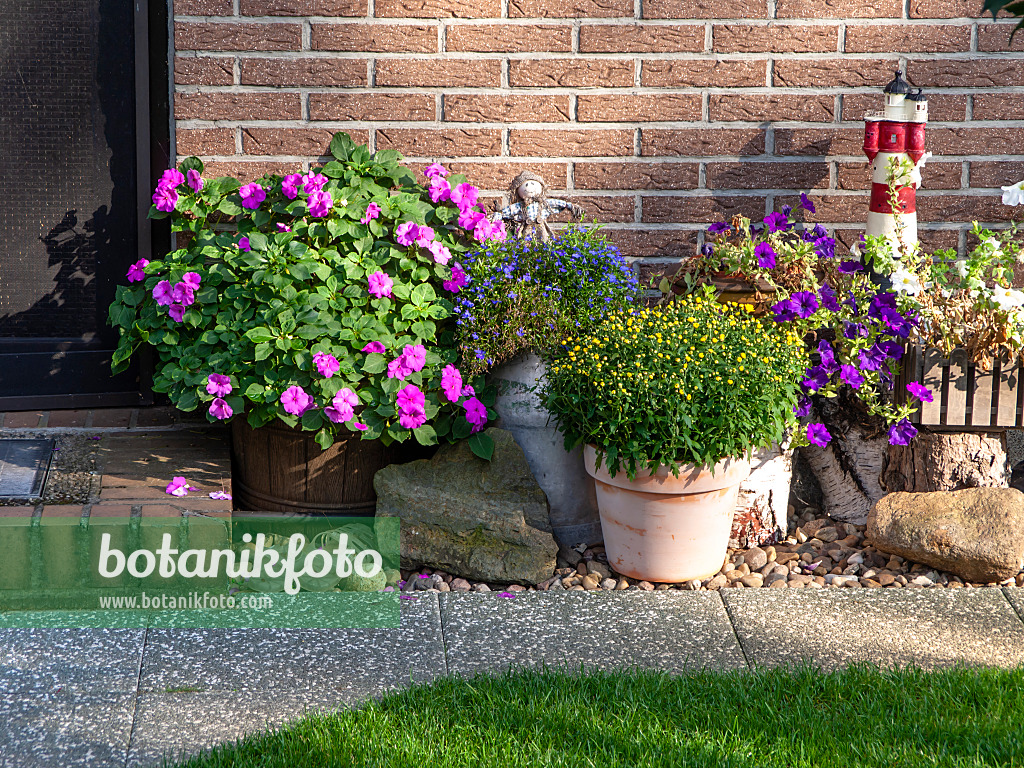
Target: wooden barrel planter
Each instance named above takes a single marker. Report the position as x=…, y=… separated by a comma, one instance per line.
x=964, y=397
x=277, y=468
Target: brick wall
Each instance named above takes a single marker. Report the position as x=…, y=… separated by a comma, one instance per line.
x=658, y=116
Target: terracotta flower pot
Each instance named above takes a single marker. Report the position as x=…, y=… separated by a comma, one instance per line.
x=658, y=527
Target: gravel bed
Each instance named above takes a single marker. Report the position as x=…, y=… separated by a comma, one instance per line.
x=72, y=468
x=818, y=554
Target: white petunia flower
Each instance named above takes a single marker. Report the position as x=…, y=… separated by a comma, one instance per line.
x=1014, y=194
x=905, y=282
x=961, y=269
x=1007, y=298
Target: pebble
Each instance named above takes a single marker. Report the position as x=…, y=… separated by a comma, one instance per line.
x=460, y=585
x=693, y=585
x=755, y=558
x=622, y=584
x=646, y=586
x=600, y=570
x=608, y=583
x=716, y=582
x=752, y=580
x=481, y=588
x=827, y=534
x=590, y=582
x=922, y=581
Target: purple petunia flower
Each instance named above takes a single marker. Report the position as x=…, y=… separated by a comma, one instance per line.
x=818, y=435
x=828, y=356
x=803, y=407
x=891, y=349
x=805, y=303
x=252, y=195
x=776, y=222
x=805, y=203
x=902, y=432
x=718, y=227
x=855, y=330
x=871, y=359
x=817, y=378
x=851, y=376
x=920, y=391
x=828, y=298
x=784, y=311
x=849, y=266
x=765, y=255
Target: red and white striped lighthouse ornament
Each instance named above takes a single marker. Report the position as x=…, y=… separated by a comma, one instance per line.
x=894, y=140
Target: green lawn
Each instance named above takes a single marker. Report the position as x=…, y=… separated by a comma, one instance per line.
x=857, y=717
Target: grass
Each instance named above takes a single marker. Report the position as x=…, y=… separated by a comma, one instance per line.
x=861, y=716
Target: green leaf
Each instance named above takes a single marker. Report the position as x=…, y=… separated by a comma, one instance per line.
x=230, y=207
x=341, y=146
x=263, y=351
x=254, y=391
x=482, y=445
x=425, y=435
x=257, y=241
x=324, y=439
x=258, y=334
x=388, y=156
x=191, y=164
x=333, y=170
x=261, y=218
x=375, y=363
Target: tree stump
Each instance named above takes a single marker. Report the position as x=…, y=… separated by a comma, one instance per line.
x=858, y=467
x=761, y=507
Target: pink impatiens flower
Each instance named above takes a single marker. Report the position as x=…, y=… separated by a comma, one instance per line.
x=172, y=178
x=343, y=406
x=177, y=487
x=252, y=195
x=184, y=294
x=165, y=198
x=326, y=365
x=397, y=369
x=375, y=346
x=313, y=182
x=476, y=413
x=192, y=279
x=406, y=233
x=162, y=293
x=380, y=284
x=136, y=271
x=435, y=171
x=424, y=236
x=415, y=356
x=372, y=212
x=176, y=312
x=295, y=401
x=360, y=426
x=440, y=252
x=482, y=230
x=468, y=219
x=243, y=244
x=451, y=382
x=218, y=385
x=319, y=203
x=440, y=190
x=290, y=185
x=498, y=231
x=411, y=407
x=459, y=279
x=219, y=409
x=464, y=196
x=195, y=180
x=281, y=227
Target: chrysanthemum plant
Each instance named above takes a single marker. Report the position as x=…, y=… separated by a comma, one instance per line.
x=524, y=295
x=856, y=328
x=688, y=383
x=321, y=299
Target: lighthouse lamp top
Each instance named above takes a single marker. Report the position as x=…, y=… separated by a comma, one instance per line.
x=903, y=103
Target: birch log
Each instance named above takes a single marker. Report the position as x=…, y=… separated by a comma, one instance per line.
x=763, y=502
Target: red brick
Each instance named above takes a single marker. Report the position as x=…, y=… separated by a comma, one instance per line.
x=774, y=38
x=157, y=416
x=110, y=510
x=22, y=419
x=571, y=73
x=563, y=143
x=774, y=107
x=997, y=106
x=937, y=239
x=204, y=70
x=308, y=142
x=825, y=73
x=945, y=9
x=642, y=38
x=497, y=175
x=449, y=142
x=607, y=209
x=964, y=73
x=111, y=417
x=706, y=73
x=885, y=38
x=376, y=38
x=636, y=175
x=838, y=9
x=53, y=511
x=974, y=141
x=689, y=210
x=68, y=418
x=371, y=106
x=303, y=7
x=317, y=71
x=936, y=175
x=427, y=73
x=647, y=108
x=819, y=141
x=438, y=9
x=471, y=108
x=11, y=513
x=569, y=9
x=952, y=208
x=943, y=107
x=232, y=36
x=701, y=142
x=203, y=8
x=237, y=106
x=246, y=171
x=996, y=37
x=666, y=243
x=205, y=141
x=750, y=175
x=996, y=174
x=508, y=38
x=705, y=9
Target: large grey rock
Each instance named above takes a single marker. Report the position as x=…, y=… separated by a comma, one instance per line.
x=976, y=533
x=477, y=519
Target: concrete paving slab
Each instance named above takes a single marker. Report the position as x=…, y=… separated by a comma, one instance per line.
x=1016, y=596
x=673, y=632
x=351, y=661
x=40, y=661
x=833, y=628
x=183, y=723
x=87, y=730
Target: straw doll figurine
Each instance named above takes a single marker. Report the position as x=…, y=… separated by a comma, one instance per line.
x=530, y=207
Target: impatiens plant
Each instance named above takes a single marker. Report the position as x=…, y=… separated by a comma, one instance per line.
x=322, y=299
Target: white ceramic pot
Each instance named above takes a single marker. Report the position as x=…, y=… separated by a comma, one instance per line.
x=560, y=473
x=658, y=527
